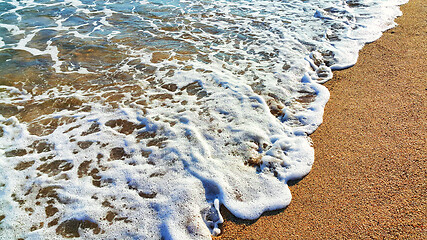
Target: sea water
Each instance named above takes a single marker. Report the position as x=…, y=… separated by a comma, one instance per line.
x=138, y=119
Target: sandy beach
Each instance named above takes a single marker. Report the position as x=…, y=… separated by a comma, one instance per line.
x=369, y=177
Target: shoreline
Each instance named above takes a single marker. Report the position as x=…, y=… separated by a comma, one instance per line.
x=368, y=178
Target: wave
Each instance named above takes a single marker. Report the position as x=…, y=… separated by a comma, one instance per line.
x=138, y=119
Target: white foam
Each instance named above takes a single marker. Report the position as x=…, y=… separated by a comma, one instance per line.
x=12, y=28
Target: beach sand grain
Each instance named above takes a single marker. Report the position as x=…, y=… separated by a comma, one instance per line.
x=369, y=176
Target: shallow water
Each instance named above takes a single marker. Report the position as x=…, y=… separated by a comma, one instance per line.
x=137, y=119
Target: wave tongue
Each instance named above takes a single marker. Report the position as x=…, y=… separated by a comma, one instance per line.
x=137, y=119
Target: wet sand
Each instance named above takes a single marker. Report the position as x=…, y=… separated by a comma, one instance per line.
x=369, y=176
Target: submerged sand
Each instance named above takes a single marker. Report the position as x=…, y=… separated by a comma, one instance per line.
x=369, y=176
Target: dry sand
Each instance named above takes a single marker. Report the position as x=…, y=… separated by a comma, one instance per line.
x=369, y=176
